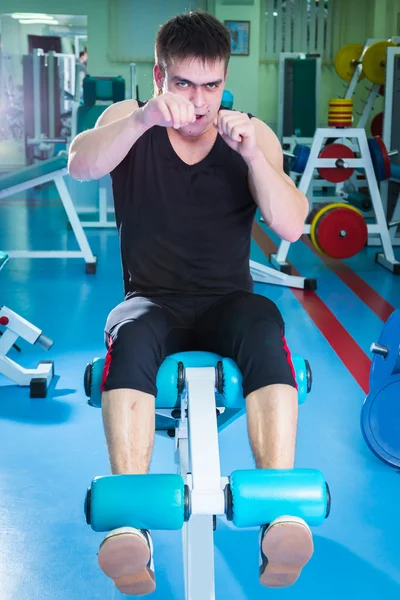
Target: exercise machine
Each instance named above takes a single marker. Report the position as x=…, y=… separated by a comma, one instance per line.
x=53, y=169
x=93, y=199
x=390, y=188
x=380, y=414
x=14, y=326
x=199, y=394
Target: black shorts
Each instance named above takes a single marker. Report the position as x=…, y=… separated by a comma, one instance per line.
x=141, y=332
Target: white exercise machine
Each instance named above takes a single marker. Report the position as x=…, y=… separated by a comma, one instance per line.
x=201, y=393
x=14, y=327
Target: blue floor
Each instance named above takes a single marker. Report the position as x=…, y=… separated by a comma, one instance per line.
x=52, y=448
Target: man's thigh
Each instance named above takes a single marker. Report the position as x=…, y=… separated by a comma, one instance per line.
x=248, y=328
x=140, y=333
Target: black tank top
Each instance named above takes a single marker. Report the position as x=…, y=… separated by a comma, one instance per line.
x=184, y=230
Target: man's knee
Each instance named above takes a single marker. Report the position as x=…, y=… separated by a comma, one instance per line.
x=263, y=356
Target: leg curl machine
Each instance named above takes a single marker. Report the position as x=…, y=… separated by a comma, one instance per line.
x=200, y=393
x=15, y=326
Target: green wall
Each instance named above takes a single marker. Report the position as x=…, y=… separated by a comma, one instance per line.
x=254, y=85
x=243, y=75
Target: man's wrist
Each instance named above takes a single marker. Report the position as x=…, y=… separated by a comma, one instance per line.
x=137, y=122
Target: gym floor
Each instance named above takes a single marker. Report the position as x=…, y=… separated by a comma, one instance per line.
x=52, y=448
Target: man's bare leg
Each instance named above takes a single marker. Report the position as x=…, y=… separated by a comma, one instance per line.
x=129, y=425
x=286, y=545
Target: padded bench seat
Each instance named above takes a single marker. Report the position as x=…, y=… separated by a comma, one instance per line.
x=34, y=171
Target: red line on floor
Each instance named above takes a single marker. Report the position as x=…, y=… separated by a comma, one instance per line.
x=347, y=349
x=381, y=307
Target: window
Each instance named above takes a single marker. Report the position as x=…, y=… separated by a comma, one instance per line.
x=297, y=26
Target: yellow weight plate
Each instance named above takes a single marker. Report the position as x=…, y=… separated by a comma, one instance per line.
x=340, y=109
x=346, y=61
x=319, y=214
x=340, y=101
x=374, y=62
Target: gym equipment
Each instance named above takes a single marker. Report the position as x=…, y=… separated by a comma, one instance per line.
x=391, y=136
x=200, y=393
x=227, y=99
x=53, y=169
x=377, y=125
x=372, y=59
x=357, y=136
x=358, y=198
x=347, y=60
x=349, y=66
x=380, y=414
x=98, y=94
x=50, y=82
x=15, y=326
x=339, y=230
x=340, y=112
x=341, y=171
x=299, y=95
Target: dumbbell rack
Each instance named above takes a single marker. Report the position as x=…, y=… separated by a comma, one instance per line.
x=380, y=228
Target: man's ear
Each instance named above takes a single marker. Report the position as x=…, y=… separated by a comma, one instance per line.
x=158, y=77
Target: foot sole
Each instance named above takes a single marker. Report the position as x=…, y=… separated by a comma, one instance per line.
x=124, y=558
x=288, y=547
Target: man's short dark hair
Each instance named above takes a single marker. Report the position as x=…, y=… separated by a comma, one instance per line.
x=192, y=35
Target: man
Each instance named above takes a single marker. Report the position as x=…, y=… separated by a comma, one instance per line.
x=187, y=179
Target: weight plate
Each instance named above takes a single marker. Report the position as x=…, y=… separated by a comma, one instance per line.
x=380, y=422
x=377, y=125
x=339, y=231
x=384, y=366
x=302, y=154
x=380, y=158
x=346, y=59
x=374, y=62
x=336, y=174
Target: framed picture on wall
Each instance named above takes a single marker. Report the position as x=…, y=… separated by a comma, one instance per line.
x=240, y=37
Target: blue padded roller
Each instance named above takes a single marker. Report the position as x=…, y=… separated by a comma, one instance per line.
x=167, y=379
x=141, y=501
x=260, y=496
x=34, y=171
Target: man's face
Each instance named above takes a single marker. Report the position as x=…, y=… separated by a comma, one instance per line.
x=202, y=84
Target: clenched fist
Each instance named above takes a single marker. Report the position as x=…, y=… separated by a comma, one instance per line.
x=238, y=131
x=168, y=110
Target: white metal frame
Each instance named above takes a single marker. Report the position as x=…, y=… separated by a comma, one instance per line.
x=380, y=228
x=198, y=463
x=85, y=251
x=387, y=138
x=16, y=327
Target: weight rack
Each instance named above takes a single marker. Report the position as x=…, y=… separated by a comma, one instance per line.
x=380, y=228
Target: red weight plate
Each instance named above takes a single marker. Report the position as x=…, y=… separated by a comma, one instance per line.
x=336, y=174
x=377, y=125
x=341, y=232
x=385, y=155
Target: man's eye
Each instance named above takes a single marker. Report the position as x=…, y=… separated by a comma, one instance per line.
x=183, y=84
